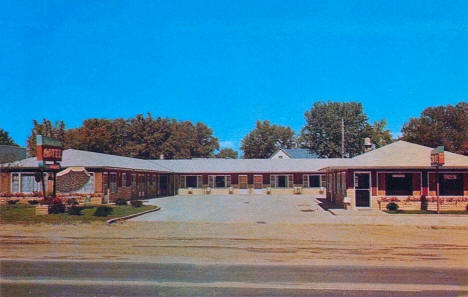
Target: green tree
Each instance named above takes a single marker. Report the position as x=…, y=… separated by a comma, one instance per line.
x=95, y=135
x=322, y=131
x=57, y=130
x=227, y=153
x=440, y=125
x=5, y=138
x=379, y=135
x=265, y=139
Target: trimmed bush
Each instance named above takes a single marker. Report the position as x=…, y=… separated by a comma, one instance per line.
x=136, y=203
x=103, y=211
x=12, y=202
x=33, y=202
x=56, y=206
x=120, y=201
x=75, y=210
x=72, y=201
x=392, y=206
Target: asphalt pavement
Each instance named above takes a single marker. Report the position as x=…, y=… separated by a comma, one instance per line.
x=80, y=278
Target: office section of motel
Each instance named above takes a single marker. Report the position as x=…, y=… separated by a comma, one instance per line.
x=399, y=172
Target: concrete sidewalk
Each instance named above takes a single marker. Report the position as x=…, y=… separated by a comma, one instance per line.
x=295, y=209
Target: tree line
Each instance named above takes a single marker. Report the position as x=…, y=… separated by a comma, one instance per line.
x=137, y=137
x=148, y=137
x=441, y=125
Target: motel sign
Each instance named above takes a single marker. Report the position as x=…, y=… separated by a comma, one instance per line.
x=437, y=156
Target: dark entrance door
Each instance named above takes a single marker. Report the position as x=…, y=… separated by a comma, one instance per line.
x=362, y=189
x=163, y=185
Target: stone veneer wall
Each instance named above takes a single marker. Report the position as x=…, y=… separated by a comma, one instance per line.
x=72, y=181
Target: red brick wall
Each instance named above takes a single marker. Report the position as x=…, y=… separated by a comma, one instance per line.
x=4, y=182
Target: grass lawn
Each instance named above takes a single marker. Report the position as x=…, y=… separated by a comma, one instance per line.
x=25, y=214
x=426, y=212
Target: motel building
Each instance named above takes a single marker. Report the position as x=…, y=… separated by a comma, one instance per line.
x=400, y=172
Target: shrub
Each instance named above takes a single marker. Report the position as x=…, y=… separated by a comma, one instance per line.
x=103, y=211
x=136, y=203
x=75, y=210
x=12, y=202
x=392, y=206
x=56, y=206
x=120, y=201
x=33, y=202
x=72, y=201
x=466, y=208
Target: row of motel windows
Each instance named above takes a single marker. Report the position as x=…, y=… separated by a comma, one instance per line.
x=276, y=181
x=140, y=179
x=402, y=184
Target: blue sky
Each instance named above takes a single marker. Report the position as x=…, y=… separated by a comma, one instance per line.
x=227, y=63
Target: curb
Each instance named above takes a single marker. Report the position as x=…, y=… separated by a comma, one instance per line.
x=111, y=221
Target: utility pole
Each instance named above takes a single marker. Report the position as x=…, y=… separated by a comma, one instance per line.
x=342, y=138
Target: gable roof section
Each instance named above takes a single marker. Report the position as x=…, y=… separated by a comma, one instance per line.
x=402, y=154
x=297, y=153
x=300, y=153
x=77, y=158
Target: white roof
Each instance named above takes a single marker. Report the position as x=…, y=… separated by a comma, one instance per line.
x=248, y=165
x=77, y=158
x=402, y=154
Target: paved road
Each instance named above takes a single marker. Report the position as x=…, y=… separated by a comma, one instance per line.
x=62, y=278
x=236, y=208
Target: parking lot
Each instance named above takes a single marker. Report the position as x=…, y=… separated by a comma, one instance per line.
x=236, y=208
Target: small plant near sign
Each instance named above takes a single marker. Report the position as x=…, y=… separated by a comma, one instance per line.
x=12, y=202
x=392, y=206
x=75, y=210
x=120, y=201
x=136, y=203
x=103, y=211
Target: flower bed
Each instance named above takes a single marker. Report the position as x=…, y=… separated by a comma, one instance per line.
x=95, y=198
x=429, y=203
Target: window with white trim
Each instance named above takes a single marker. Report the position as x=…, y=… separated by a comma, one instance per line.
x=124, y=180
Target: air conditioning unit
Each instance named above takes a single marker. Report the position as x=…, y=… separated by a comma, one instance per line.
x=297, y=190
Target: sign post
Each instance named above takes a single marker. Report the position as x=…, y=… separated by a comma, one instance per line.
x=437, y=160
x=49, y=150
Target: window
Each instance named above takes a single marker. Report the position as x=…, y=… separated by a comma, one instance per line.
x=314, y=181
x=281, y=181
x=451, y=184
x=220, y=181
x=113, y=183
x=191, y=181
x=398, y=184
x=25, y=183
x=15, y=187
x=124, y=180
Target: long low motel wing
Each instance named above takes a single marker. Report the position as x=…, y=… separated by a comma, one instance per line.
x=399, y=172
